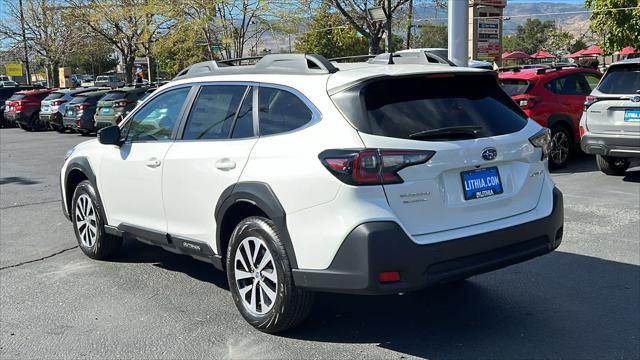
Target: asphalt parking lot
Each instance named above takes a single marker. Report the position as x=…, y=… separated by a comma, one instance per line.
x=581, y=301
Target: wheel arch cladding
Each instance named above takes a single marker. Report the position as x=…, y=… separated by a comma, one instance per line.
x=561, y=120
x=246, y=199
x=77, y=171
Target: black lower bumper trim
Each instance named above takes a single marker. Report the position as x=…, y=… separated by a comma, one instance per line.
x=376, y=247
x=613, y=145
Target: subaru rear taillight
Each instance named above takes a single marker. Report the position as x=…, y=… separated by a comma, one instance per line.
x=528, y=102
x=16, y=105
x=372, y=166
x=57, y=102
x=82, y=107
x=590, y=100
x=122, y=103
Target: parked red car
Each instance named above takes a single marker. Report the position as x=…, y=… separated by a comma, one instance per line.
x=23, y=108
x=554, y=98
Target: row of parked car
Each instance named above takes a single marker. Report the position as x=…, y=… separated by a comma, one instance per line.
x=83, y=110
x=555, y=97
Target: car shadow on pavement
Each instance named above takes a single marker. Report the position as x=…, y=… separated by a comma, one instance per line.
x=579, y=163
x=563, y=306
x=632, y=176
x=17, y=180
x=136, y=252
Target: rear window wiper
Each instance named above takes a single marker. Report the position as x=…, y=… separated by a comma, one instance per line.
x=449, y=133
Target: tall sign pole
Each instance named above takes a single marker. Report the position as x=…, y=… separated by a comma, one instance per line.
x=485, y=32
x=24, y=44
x=459, y=32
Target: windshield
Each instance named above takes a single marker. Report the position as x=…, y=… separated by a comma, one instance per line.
x=114, y=95
x=621, y=80
x=515, y=87
x=53, y=96
x=402, y=107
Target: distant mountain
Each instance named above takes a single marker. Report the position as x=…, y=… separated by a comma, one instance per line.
x=577, y=24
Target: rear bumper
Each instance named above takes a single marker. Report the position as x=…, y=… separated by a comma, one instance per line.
x=53, y=118
x=376, y=247
x=611, y=145
x=15, y=117
x=104, y=121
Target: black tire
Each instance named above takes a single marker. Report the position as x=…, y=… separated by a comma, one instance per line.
x=292, y=304
x=562, y=147
x=612, y=165
x=24, y=127
x=102, y=245
x=59, y=129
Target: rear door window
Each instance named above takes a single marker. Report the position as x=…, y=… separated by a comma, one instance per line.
x=281, y=111
x=621, y=80
x=515, y=87
x=408, y=106
x=214, y=112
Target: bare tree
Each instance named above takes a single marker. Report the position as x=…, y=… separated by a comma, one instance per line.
x=356, y=13
x=130, y=26
x=49, y=29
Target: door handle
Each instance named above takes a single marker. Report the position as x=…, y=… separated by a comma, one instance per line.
x=153, y=163
x=225, y=164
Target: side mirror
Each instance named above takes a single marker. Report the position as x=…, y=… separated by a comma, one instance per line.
x=110, y=136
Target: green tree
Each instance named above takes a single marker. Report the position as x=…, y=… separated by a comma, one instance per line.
x=577, y=45
x=616, y=29
x=559, y=42
x=533, y=35
x=432, y=36
x=330, y=35
x=93, y=55
x=510, y=43
x=178, y=49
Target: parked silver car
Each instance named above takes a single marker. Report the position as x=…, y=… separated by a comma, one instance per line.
x=610, y=124
x=108, y=81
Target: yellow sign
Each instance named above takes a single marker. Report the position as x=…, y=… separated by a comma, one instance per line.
x=14, y=69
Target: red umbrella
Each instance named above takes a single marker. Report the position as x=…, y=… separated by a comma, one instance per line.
x=593, y=50
x=577, y=54
x=626, y=51
x=515, y=55
x=542, y=55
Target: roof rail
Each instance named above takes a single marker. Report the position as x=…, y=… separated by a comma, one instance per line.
x=414, y=57
x=355, y=57
x=294, y=64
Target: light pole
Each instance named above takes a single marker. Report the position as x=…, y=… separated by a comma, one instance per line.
x=459, y=32
x=24, y=44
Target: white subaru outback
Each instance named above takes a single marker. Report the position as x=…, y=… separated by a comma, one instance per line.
x=297, y=175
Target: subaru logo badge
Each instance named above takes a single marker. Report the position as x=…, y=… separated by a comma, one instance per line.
x=489, y=154
x=635, y=99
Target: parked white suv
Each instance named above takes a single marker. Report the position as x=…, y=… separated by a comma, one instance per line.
x=295, y=176
x=610, y=123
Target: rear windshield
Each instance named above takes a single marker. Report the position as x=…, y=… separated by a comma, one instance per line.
x=515, y=87
x=54, y=95
x=15, y=97
x=401, y=107
x=78, y=99
x=114, y=95
x=621, y=80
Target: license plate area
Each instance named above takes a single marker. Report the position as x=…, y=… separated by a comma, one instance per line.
x=106, y=110
x=481, y=183
x=632, y=115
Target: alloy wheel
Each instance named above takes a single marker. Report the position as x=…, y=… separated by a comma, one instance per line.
x=559, y=147
x=256, y=276
x=86, y=221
